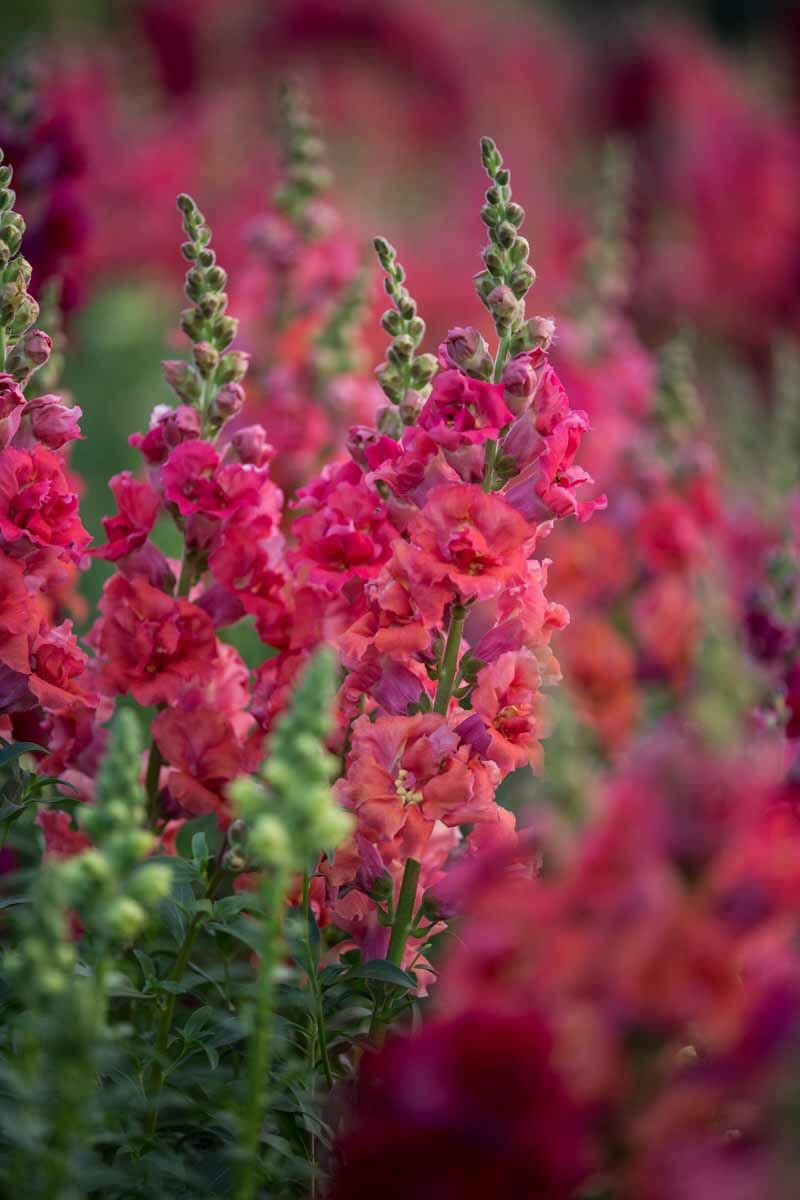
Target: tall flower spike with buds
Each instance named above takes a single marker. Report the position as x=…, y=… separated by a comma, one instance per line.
x=405, y=377
x=18, y=309
x=212, y=383
x=507, y=276
x=305, y=174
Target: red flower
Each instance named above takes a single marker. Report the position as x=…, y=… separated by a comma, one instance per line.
x=169, y=427
x=151, y=643
x=58, y=669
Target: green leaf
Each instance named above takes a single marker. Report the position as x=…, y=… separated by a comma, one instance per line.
x=11, y=901
x=173, y=919
x=385, y=972
x=14, y=750
x=208, y=825
x=198, y=1021
x=249, y=932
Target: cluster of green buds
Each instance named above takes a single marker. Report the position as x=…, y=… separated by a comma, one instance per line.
x=406, y=376
x=212, y=382
x=113, y=889
x=289, y=813
x=338, y=348
x=607, y=253
x=22, y=348
x=507, y=275
x=305, y=174
x=677, y=407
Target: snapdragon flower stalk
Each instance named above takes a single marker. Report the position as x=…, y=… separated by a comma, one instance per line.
x=211, y=384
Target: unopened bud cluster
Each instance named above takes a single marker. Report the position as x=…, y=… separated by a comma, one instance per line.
x=405, y=377
x=507, y=275
x=305, y=174
x=112, y=888
x=22, y=349
x=290, y=811
x=212, y=382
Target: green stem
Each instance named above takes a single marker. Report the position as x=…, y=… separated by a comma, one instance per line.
x=404, y=913
x=401, y=928
x=491, y=445
x=502, y=355
x=168, y=1011
x=489, y=461
x=186, y=576
x=313, y=982
x=154, y=762
x=273, y=891
x=449, y=666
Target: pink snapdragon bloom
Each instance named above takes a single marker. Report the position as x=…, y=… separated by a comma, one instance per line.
x=47, y=419
x=203, y=755
x=462, y=410
x=59, y=677
x=196, y=482
x=169, y=427
x=137, y=505
x=12, y=401
x=38, y=508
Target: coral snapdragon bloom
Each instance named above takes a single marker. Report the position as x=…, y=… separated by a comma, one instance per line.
x=151, y=643
x=470, y=539
x=508, y=700
x=402, y=765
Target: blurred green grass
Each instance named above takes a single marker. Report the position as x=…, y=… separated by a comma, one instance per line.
x=114, y=352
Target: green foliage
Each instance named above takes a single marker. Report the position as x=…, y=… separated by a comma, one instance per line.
x=161, y=1032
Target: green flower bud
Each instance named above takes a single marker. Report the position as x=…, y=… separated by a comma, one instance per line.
x=268, y=841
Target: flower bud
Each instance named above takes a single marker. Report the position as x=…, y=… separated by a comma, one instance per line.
x=228, y=401
x=269, y=841
x=251, y=446
x=503, y=306
x=125, y=918
x=232, y=367
x=465, y=349
x=183, y=379
x=206, y=358
x=519, y=384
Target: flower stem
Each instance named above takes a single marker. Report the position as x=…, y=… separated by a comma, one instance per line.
x=450, y=660
x=273, y=890
x=404, y=913
x=152, y=776
x=313, y=982
x=165, y=1021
